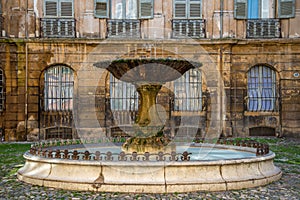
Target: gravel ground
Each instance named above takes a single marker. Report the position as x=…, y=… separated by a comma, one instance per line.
x=288, y=187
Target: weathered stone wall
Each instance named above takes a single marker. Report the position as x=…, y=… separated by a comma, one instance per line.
x=219, y=23
x=232, y=59
x=226, y=55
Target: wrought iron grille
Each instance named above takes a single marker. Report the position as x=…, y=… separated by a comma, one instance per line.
x=58, y=27
x=2, y=95
x=59, y=132
x=57, y=102
x=262, y=94
x=263, y=28
x=123, y=96
x=188, y=28
x=188, y=92
x=124, y=28
x=58, y=91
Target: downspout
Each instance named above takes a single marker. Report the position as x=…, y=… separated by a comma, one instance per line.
x=26, y=20
x=220, y=60
x=26, y=70
x=221, y=17
x=26, y=88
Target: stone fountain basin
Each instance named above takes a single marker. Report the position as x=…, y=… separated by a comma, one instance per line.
x=151, y=176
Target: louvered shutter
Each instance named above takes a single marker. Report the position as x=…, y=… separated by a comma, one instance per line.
x=240, y=9
x=195, y=9
x=146, y=9
x=101, y=8
x=180, y=7
x=50, y=8
x=286, y=8
x=66, y=8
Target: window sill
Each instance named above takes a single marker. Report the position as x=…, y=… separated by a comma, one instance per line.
x=188, y=113
x=260, y=113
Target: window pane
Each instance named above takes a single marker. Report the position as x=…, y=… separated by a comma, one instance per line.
x=188, y=92
x=59, y=86
x=253, y=9
x=117, y=9
x=261, y=89
x=265, y=13
x=131, y=9
x=123, y=96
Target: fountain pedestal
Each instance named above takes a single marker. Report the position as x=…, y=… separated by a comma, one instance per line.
x=148, y=127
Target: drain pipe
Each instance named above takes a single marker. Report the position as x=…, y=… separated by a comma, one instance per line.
x=26, y=88
x=26, y=20
x=221, y=17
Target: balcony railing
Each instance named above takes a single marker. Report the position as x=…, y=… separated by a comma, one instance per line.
x=188, y=28
x=263, y=28
x=58, y=27
x=124, y=28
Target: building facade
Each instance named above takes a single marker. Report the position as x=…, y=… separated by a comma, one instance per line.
x=57, y=56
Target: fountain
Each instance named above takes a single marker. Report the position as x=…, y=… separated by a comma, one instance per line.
x=148, y=162
x=148, y=76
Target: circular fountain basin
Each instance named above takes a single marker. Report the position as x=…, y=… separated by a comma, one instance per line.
x=207, y=168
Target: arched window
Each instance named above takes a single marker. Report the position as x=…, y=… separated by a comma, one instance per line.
x=261, y=89
x=2, y=86
x=123, y=96
x=188, y=91
x=59, y=87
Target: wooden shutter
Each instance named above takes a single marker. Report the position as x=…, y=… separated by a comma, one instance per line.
x=50, y=8
x=240, y=9
x=180, y=9
x=146, y=9
x=101, y=8
x=66, y=8
x=286, y=8
x=195, y=9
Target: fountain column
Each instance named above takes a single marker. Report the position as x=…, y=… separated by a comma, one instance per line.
x=147, y=113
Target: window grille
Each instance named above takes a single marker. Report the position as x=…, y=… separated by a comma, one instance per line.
x=59, y=87
x=55, y=27
x=123, y=96
x=261, y=89
x=124, y=28
x=2, y=86
x=188, y=92
x=189, y=28
x=263, y=28
x=59, y=133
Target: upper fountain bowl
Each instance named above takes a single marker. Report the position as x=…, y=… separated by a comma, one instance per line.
x=148, y=71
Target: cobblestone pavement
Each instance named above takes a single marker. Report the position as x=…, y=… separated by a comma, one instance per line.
x=288, y=187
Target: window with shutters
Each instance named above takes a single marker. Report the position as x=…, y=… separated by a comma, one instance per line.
x=188, y=91
x=124, y=15
x=124, y=9
x=262, y=94
x=187, y=20
x=261, y=21
x=187, y=9
x=2, y=88
x=58, y=19
x=262, y=9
